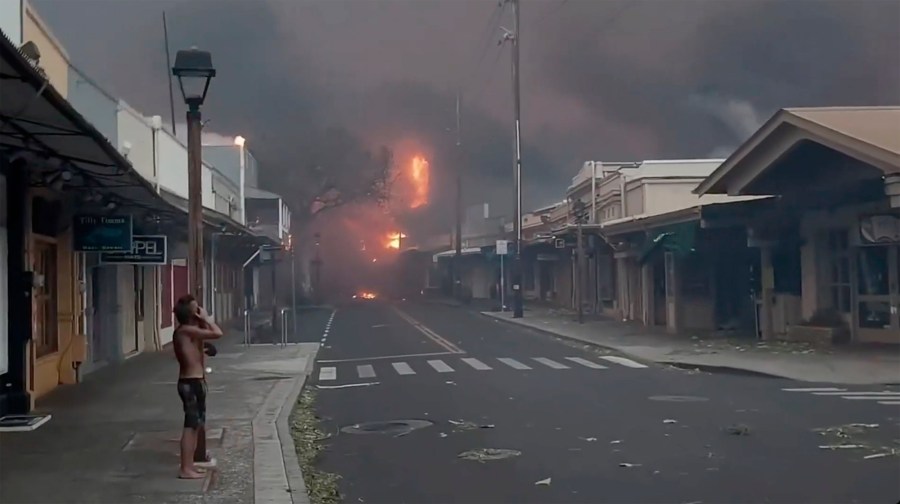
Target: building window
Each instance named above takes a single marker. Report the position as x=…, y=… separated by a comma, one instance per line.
x=46, y=339
x=838, y=247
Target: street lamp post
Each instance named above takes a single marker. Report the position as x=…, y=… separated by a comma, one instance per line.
x=194, y=70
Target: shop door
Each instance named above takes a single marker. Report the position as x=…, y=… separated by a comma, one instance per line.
x=878, y=294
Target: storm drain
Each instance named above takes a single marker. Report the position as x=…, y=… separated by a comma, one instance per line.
x=394, y=428
x=678, y=398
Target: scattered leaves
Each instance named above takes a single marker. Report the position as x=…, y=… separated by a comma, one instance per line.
x=322, y=486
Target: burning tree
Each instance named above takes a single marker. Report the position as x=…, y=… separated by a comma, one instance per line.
x=333, y=169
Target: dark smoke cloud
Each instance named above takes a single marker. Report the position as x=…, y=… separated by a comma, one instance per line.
x=608, y=80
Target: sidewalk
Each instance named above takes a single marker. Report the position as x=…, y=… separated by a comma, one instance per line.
x=796, y=361
x=114, y=437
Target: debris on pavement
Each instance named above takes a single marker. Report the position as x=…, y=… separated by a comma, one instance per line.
x=863, y=425
x=465, y=425
x=485, y=454
x=617, y=441
x=443, y=434
x=322, y=486
x=588, y=439
x=738, y=430
x=628, y=464
x=880, y=455
x=670, y=421
x=842, y=446
x=545, y=482
x=450, y=382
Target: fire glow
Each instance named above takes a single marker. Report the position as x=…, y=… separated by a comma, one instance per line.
x=393, y=240
x=418, y=176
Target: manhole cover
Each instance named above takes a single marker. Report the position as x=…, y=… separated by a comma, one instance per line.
x=678, y=398
x=396, y=428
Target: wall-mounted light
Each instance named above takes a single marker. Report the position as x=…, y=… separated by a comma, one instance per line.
x=156, y=122
x=126, y=148
x=239, y=141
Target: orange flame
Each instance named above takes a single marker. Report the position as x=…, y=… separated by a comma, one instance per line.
x=393, y=240
x=418, y=175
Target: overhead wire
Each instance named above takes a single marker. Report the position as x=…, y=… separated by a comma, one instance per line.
x=483, y=44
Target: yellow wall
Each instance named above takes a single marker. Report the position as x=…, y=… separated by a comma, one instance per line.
x=54, y=59
x=53, y=369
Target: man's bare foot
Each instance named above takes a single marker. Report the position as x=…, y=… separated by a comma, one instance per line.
x=191, y=474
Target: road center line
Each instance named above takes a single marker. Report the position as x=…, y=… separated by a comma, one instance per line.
x=433, y=336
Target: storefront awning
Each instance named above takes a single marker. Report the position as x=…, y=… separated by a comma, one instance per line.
x=38, y=124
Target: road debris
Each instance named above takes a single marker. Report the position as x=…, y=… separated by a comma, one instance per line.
x=465, y=425
x=628, y=464
x=617, y=441
x=863, y=425
x=544, y=482
x=670, y=421
x=880, y=455
x=738, y=430
x=443, y=434
x=322, y=486
x=450, y=382
x=485, y=454
x=588, y=439
x=842, y=447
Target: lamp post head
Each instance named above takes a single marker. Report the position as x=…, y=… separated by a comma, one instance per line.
x=194, y=70
x=239, y=141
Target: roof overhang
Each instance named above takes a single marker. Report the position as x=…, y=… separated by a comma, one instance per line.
x=221, y=223
x=38, y=123
x=860, y=133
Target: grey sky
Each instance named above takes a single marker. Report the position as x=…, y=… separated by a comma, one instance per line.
x=606, y=80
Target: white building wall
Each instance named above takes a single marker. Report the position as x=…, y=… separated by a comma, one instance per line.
x=134, y=129
x=11, y=20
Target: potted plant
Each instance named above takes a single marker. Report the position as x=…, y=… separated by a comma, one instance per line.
x=826, y=325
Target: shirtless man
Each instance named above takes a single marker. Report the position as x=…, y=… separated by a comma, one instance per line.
x=194, y=327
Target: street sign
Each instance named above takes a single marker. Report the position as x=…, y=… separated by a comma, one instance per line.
x=145, y=249
x=502, y=247
x=100, y=233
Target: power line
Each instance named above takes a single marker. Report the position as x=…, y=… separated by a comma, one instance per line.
x=485, y=40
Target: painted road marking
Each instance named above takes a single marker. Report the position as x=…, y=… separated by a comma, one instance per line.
x=513, y=363
x=869, y=398
x=585, y=362
x=365, y=371
x=623, y=361
x=327, y=373
x=433, y=336
x=477, y=364
x=813, y=389
x=550, y=363
x=440, y=366
x=384, y=357
x=403, y=368
x=890, y=403
x=888, y=393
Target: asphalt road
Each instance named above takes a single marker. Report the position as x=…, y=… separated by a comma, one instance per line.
x=594, y=425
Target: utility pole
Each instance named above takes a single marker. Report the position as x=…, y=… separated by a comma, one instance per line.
x=457, y=258
x=518, y=309
x=579, y=209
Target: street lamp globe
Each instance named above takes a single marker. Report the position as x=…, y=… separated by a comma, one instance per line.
x=194, y=70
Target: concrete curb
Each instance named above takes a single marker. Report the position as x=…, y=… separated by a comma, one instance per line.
x=673, y=363
x=277, y=478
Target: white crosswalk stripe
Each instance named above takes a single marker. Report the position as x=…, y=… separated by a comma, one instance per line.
x=440, y=366
x=327, y=373
x=623, y=361
x=476, y=364
x=550, y=363
x=886, y=397
x=451, y=364
x=366, y=371
x=403, y=368
x=585, y=363
x=513, y=363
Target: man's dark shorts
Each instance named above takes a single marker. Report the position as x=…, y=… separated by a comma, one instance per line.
x=193, y=396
